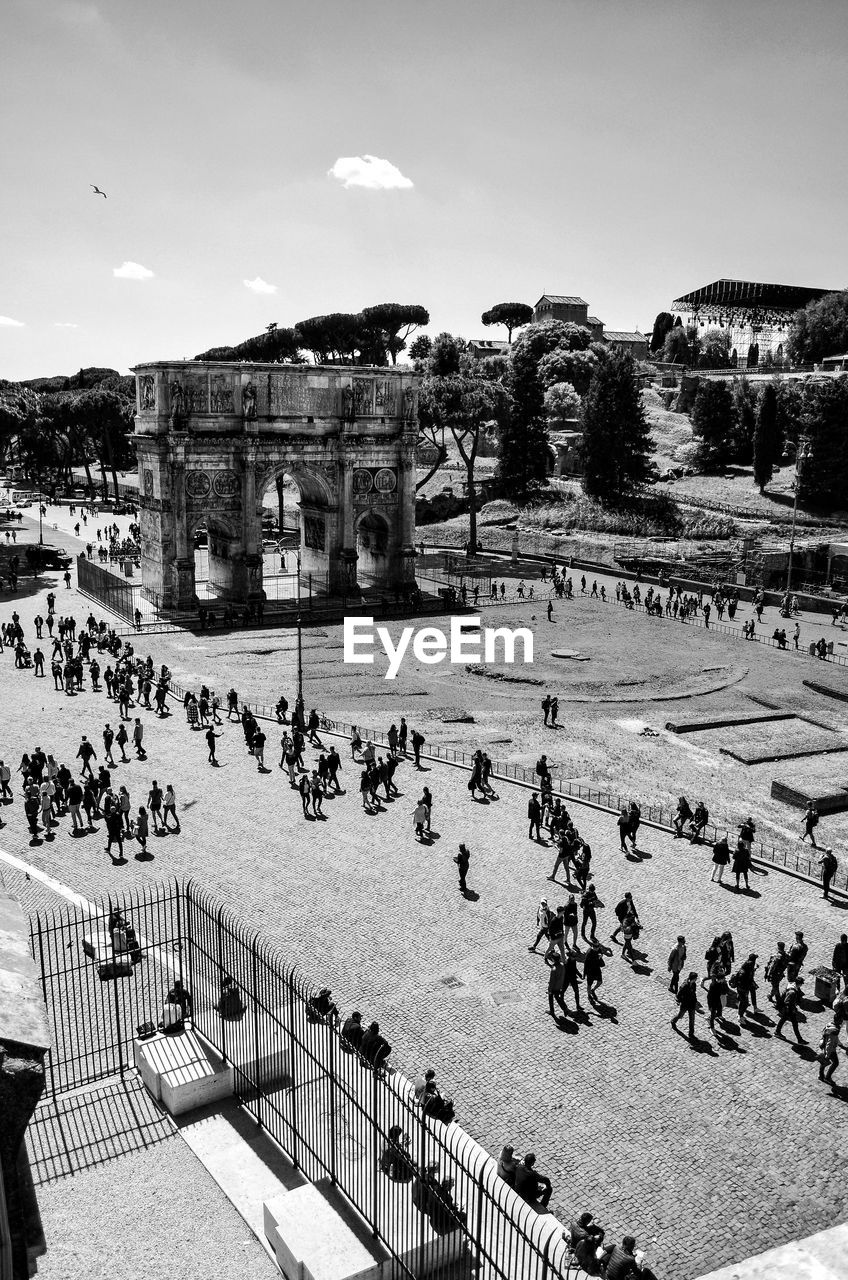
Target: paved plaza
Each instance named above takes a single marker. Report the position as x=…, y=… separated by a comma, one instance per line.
x=707, y=1154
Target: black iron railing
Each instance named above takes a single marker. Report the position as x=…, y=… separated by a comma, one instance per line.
x=335, y=1116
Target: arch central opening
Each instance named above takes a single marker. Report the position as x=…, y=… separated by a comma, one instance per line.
x=298, y=524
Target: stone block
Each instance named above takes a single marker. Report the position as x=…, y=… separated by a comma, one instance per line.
x=182, y=1071
x=316, y=1236
x=258, y=1047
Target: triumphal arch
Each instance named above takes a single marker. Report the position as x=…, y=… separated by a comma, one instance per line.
x=213, y=438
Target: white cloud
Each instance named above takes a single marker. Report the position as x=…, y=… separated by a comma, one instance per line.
x=260, y=286
x=132, y=271
x=64, y=324
x=370, y=172
x=10, y=323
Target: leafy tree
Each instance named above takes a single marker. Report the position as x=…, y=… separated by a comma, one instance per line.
x=562, y=403
x=823, y=455
x=790, y=406
x=512, y=315
x=820, y=330
x=744, y=421
x=766, y=437
x=714, y=350
x=19, y=409
x=565, y=365
x=677, y=348
x=617, y=444
x=419, y=349
x=274, y=346
x=712, y=422
x=523, y=454
x=461, y=403
x=393, y=322
x=662, y=324
x=446, y=355
x=104, y=417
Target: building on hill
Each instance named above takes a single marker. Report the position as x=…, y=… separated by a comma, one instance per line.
x=758, y=316
x=480, y=348
x=555, y=306
x=622, y=340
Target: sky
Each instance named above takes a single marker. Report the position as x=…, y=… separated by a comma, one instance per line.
x=268, y=160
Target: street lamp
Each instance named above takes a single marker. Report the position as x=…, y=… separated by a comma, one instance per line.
x=801, y=456
x=298, y=706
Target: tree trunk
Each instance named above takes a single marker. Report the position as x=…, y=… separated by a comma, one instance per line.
x=107, y=441
x=103, y=475
x=443, y=453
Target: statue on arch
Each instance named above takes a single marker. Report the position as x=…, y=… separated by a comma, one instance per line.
x=248, y=401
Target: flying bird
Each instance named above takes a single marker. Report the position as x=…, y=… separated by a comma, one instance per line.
x=97, y=191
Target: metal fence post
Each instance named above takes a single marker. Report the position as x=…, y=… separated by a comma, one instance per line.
x=254, y=965
x=331, y=1076
x=294, y=1091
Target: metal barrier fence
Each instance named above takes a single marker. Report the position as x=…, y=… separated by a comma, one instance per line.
x=335, y=1115
x=118, y=596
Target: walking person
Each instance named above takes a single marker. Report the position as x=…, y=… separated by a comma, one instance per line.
x=788, y=1010
x=138, y=738
x=593, y=966
x=775, y=971
x=809, y=823
x=122, y=738
x=169, y=808
x=108, y=739
x=556, y=983
x=590, y=903
x=141, y=828
x=462, y=860
x=828, y=863
x=86, y=753
x=721, y=858
x=828, y=1056
x=676, y=962
x=534, y=813
x=687, y=1003
x=154, y=803
x=622, y=909
x=211, y=738
x=543, y=918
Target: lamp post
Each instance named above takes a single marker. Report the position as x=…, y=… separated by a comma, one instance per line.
x=801, y=456
x=298, y=706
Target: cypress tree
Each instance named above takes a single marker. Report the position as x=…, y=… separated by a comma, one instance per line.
x=712, y=422
x=766, y=441
x=617, y=444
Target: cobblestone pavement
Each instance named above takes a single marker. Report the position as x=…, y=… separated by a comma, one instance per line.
x=707, y=1154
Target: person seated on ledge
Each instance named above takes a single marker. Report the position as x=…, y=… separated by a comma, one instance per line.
x=424, y=1189
x=434, y=1104
x=353, y=1030
x=585, y=1237
x=507, y=1165
x=682, y=816
x=531, y=1185
x=230, y=1003
x=172, y=1021
x=322, y=1006
x=395, y=1159
x=181, y=996
x=374, y=1047
x=621, y=1261
x=445, y=1213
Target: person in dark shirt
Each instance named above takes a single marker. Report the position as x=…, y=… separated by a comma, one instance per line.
x=788, y=1010
x=687, y=1001
x=353, y=1030
x=531, y=1185
x=619, y=1260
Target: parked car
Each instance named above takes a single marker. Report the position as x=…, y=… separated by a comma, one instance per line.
x=49, y=557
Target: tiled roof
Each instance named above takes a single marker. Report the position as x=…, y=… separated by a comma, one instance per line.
x=557, y=297
x=621, y=335
x=490, y=344
x=594, y=320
